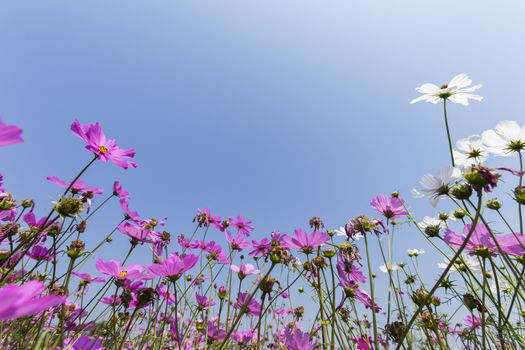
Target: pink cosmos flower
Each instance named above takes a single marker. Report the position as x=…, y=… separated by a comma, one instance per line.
x=114, y=269
x=204, y=218
x=238, y=242
x=174, y=266
x=306, y=242
x=261, y=248
x=39, y=252
x=9, y=134
x=244, y=270
x=391, y=207
x=364, y=342
x=481, y=241
x=128, y=214
x=78, y=186
x=87, y=277
x=244, y=338
x=113, y=300
x=203, y=302
x=298, y=340
x=250, y=307
x=243, y=226
x=135, y=232
x=216, y=253
x=120, y=192
x=23, y=300
x=165, y=294
x=105, y=149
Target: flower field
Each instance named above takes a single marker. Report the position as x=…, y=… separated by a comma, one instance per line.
x=316, y=287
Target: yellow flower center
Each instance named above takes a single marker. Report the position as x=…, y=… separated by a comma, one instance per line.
x=102, y=149
x=123, y=273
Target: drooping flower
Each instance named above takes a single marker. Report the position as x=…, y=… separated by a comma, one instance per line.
x=431, y=226
x=9, y=134
x=114, y=269
x=120, y=192
x=304, y=241
x=508, y=139
x=391, y=207
x=457, y=91
x=244, y=270
x=437, y=186
x=298, y=340
x=470, y=151
x=26, y=299
x=174, y=266
x=105, y=149
x=482, y=243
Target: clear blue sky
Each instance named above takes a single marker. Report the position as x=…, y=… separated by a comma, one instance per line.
x=277, y=110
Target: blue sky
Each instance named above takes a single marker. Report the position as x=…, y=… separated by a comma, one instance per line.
x=277, y=110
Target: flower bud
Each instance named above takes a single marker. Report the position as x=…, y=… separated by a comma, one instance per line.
x=459, y=213
x=81, y=227
x=69, y=207
x=76, y=249
x=27, y=203
x=519, y=194
x=222, y=292
x=494, y=204
x=266, y=285
x=319, y=262
x=395, y=330
x=461, y=191
x=329, y=253
x=421, y=297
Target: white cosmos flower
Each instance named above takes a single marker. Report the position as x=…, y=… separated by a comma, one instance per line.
x=506, y=140
x=342, y=232
x=456, y=91
x=389, y=267
x=462, y=263
x=431, y=221
x=504, y=287
x=415, y=252
x=470, y=151
x=437, y=186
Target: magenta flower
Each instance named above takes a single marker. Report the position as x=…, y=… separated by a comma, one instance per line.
x=306, y=242
x=244, y=270
x=113, y=300
x=87, y=277
x=114, y=269
x=247, y=305
x=39, y=252
x=238, y=242
x=174, y=266
x=244, y=338
x=482, y=243
x=105, y=149
x=9, y=134
x=78, y=186
x=261, y=248
x=298, y=340
x=23, y=300
x=121, y=193
x=243, y=226
x=391, y=207
x=216, y=253
x=204, y=218
x=203, y=302
x=135, y=232
x=165, y=294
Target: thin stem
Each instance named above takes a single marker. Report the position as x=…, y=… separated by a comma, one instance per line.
x=448, y=132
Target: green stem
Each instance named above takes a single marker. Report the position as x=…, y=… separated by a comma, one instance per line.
x=448, y=132
x=372, y=295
